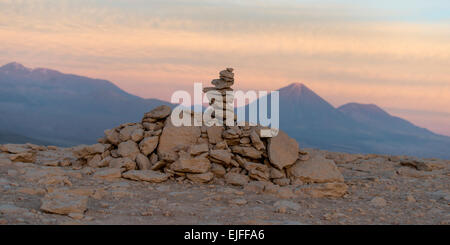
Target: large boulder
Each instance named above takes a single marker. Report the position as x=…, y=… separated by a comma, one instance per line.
x=173, y=137
x=282, y=150
x=317, y=169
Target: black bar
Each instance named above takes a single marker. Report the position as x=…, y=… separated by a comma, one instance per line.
x=226, y=234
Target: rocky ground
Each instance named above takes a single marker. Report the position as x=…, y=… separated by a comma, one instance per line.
x=158, y=172
x=44, y=185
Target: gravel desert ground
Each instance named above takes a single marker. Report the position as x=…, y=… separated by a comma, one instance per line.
x=381, y=190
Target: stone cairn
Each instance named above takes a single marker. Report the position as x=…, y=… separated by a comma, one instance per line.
x=155, y=150
x=221, y=96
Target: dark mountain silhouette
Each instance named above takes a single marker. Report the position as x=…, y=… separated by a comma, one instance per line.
x=12, y=138
x=354, y=128
x=317, y=118
x=44, y=106
x=375, y=117
x=64, y=109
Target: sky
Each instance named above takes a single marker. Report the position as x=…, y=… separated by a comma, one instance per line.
x=395, y=54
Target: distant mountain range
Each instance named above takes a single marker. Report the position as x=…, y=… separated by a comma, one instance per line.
x=353, y=127
x=8, y=137
x=63, y=109
x=46, y=106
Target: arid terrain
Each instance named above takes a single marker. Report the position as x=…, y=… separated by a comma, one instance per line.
x=155, y=172
x=381, y=190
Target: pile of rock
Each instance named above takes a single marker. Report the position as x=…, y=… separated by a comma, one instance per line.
x=221, y=96
x=155, y=150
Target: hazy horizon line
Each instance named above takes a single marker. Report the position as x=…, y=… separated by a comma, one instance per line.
x=386, y=109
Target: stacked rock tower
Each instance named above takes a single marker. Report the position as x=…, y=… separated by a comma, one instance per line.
x=221, y=97
x=155, y=150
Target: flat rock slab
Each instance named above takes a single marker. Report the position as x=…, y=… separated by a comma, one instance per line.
x=196, y=165
x=236, y=179
x=159, y=112
x=108, y=173
x=317, y=169
x=327, y=190
x=200, y=178
x=64, y=203
x=146, y=175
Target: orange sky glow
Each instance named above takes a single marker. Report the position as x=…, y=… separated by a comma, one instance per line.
x=344, y=53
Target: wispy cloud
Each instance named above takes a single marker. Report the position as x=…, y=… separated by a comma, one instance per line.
x=392, y=54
